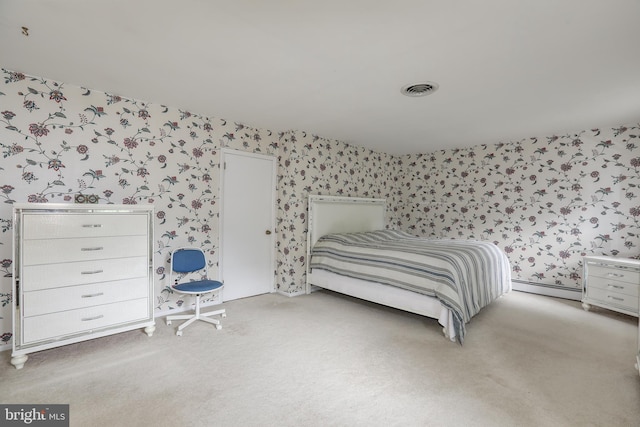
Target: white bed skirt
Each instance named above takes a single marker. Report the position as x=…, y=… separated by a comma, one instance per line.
x=386, y=295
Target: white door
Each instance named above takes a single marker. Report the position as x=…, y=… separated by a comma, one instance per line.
x=248, y=224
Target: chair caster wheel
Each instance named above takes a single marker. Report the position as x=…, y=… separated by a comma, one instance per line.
x=168, y=322
x=218, y=326
x=179, y=333
x=224, y=314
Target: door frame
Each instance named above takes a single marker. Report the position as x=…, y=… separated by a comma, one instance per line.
x=274, y=176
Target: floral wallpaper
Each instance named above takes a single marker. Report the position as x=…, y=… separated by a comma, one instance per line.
x=312, y=165
x=60, y=140
x=546, y=201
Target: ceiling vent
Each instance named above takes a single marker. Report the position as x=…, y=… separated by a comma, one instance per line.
x=420, y=89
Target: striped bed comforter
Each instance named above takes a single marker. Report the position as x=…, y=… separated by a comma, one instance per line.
x=464, y=275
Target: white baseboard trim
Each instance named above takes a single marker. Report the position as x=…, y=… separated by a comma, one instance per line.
x=548, y=290
x=291, y=294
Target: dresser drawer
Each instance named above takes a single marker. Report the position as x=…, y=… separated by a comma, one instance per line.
x=609, y=298
x=46, y=276
x=616, y=286
x=52, y=251
x=57, y=325
x=43, y=226
x=37, y=303
x=620, y=273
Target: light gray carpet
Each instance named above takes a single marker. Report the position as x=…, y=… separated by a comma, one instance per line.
x=328, y=360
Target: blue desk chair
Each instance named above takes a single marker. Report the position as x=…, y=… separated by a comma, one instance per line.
x=189, y=260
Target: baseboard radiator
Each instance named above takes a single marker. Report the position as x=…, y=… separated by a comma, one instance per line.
x=548, y=290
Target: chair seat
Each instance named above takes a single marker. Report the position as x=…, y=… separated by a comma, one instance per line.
x=198, y=286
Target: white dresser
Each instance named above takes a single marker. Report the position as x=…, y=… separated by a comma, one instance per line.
x=79, y=272
x=612, y=283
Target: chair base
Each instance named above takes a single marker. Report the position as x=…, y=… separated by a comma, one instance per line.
x=205, y=317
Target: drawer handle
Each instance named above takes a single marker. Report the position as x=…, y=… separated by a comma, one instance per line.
x=91, y=225
x=615, y=298
x=615, y=275
x=92, y=272
x=97, y=248
x=88, y=319
x=615, y=286
x=98, y=294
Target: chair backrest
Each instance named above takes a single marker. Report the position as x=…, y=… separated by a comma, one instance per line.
x=188, y=260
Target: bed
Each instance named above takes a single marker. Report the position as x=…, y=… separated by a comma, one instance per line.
x=355, y=228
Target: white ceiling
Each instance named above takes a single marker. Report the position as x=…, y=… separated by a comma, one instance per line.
x=507, y=69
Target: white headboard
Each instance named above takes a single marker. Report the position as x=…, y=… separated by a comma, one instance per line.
x=333, y=214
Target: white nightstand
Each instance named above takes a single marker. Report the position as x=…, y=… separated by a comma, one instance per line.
x=612, y=283
x=638, y=355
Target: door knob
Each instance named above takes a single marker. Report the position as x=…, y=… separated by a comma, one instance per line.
x=268, y=232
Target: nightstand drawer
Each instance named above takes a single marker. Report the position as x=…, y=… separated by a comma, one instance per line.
x=56, y=325
x=47, y=301
x=616, y=286
x=620, y=273
x=41, y=226
x=609, y=298
x=51, y=251
x=47, y=276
